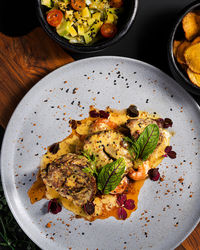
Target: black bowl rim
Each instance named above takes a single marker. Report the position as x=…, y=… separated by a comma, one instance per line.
x=181, y=14
x=82, y=48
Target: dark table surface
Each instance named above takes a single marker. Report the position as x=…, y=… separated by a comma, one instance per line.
x=146, y=40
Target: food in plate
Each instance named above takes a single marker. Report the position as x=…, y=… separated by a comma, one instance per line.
x=99, y=169
x=187, y=51
x=191, y=24
x=84, y=21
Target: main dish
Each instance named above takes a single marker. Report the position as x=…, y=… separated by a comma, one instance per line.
x=99, y=169
x=83, y=21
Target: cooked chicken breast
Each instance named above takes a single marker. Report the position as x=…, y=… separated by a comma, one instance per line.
x=66, y=176
x=107, y=146
x=137, y=126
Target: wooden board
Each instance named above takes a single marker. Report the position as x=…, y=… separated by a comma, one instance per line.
x=23, y=62
x=193, y=241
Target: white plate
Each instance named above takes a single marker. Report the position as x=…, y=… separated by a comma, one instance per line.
x=167, y=212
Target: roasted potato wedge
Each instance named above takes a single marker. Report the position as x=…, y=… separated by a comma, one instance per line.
x=194, y=77
x=191, y=25
x=196, y=40
x=192, y=57
x=175, y=46
x=181, y=50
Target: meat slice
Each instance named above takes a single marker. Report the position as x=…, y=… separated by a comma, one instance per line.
x=107, y=146
x=137, y=126
x=67, y=177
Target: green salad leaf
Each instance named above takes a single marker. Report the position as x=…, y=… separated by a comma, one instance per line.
x=111, y=175
x=145, y=144
x=91, y=169
x=148, y=141
x=133, y=147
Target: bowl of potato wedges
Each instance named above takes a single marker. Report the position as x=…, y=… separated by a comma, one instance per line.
x=184, y=48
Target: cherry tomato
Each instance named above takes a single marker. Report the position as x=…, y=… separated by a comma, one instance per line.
x=108, y=30
x=116, y=3
x=78, y=4
x=54, y=17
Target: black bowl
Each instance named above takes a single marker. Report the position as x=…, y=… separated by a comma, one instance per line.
x=178, y=34
x=124, y=24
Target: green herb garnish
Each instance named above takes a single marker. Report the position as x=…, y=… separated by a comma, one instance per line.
x=91, y=169
x=111, y=175
x=133, y=147
x=145, y=144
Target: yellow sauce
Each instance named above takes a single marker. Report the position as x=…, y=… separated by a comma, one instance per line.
x=105, y=205
x=37, y=190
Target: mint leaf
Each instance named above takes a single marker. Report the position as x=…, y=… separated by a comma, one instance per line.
x=145, y=144
x=148, y=141
x=91, y=169
x=130, y=140
x=111, y=175
x=90, y=156
x=133, y=147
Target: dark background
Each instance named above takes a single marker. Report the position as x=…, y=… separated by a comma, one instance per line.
x=146, y=40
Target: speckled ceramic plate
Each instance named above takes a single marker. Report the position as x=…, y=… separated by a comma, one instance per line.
x=168, y=211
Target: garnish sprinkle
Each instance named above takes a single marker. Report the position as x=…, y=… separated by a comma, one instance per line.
x=124, y=203
x=169, y=152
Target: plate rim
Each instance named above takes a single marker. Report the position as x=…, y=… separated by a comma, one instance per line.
x=9, y=202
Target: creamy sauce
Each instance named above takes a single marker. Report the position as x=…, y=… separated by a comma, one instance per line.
x=37, y=190
x=133, y=192
x=105, y=205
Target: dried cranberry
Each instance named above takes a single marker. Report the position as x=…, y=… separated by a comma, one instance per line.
x=167, y=123
x=160, y=122
x=121, y=198
x=154, y=174
x=129, y=204
x=54, y=207
x=104, y=114
x=122, y=214
x=94, y=113
x=89, y=208
x=168, y=149
x=54, y=148
x=172, y=154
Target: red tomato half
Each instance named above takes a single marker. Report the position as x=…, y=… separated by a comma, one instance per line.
x=78, y=4
x=54, y=17
x=108, y=30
